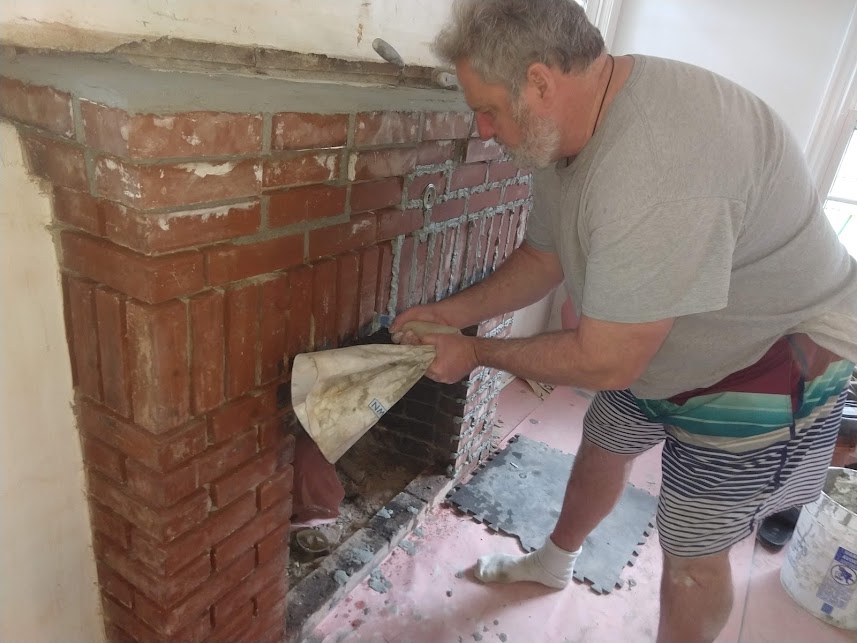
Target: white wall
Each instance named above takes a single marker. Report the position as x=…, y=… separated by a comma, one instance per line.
x=47, y=571
x=783, y=50
x=341, y=28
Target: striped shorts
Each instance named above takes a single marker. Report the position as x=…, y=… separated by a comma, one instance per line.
x=732, y=454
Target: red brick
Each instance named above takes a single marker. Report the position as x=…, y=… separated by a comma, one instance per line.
x=208, y=354
x=435, y=152
x=271, y=432
x=502, y=237
x=111, y=525
x=38, y=106
x=57, y=161
x=78, y=209
x=306, y=203
x=418, y=284
x=103, y=458
x=300, y=311
x=269, y=597
x=479, y=150
x=480, y=201
x=150, y=279
x=160, y=524
x=347, y=291
x=512, y=241
x=324, y=304
x=147, y=136
x=238, y=416
x=360, y=231
x=120, y=616
x=458, y=258
x=468, y=176
x=234, y=619
x=451, y=209
x=419, y=183
x=296, y=131
x=247, y=536
x=241, y=322
x=177, y=617
x=378, y=164
x=302, y=169
x=163, y=591
x=276, y=489
x=472, y=253
x=501, y=171
x=113, y=351
x=167, y=559
x=406, y=258
x=434, y=244
x=450, y=238
x=81, y=299
x=516, y=192
x=151, y=233
x=226, y=457
x=446, y=125
x=373, y=195
x=235, y=262
x=263, y=576
x=161, y=452
x=269, y=626
x=392, y=222
x=382, y=128
x=248, y=476
x=385, y=278
x=198, y=631
x=491, y=246
x=272, y=545
x=160, y=377
x=180, y=184
x=115, y=585
x=273, y=327
x=369, y=259
x=161, y=489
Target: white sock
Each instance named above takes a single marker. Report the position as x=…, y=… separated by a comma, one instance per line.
x=548, y=565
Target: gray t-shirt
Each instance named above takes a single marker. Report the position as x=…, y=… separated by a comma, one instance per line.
x=693, y=201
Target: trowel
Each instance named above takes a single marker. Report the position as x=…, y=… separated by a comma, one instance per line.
x=338, y=395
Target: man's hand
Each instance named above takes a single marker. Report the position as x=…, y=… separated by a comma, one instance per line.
x=434, y=313
x=455, y=359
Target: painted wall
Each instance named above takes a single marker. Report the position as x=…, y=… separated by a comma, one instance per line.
x=341, y=28
x=783, y=50
x=47, y=591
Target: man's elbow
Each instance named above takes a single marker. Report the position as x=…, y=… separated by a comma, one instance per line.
x=618, y=377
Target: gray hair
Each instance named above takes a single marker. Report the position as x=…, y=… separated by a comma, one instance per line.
x=502, y=38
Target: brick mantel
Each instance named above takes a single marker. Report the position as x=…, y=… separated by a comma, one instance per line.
x=210, y=227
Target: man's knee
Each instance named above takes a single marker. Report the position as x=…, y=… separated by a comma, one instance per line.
x=699, y=571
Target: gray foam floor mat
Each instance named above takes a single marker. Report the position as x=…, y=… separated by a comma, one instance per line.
x=519, y=492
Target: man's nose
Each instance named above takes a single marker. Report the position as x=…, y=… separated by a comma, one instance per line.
x=484, y=126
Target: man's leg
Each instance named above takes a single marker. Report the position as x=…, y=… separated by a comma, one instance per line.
x=615, y=432
x=594, y=487
x=696, y=597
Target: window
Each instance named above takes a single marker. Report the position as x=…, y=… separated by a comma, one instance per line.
x=841, y=203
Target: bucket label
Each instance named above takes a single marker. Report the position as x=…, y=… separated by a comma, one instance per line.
x=840, y=582
x=377, y=408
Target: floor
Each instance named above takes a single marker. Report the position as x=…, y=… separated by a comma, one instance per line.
x=434, y=598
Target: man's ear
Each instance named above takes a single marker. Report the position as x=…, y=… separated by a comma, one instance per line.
x=540, y=82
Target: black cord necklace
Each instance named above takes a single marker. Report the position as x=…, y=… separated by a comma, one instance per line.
x=604, y=95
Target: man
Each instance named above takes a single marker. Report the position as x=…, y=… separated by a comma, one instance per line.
x=718, y=311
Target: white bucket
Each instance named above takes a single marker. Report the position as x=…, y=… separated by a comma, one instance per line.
x=820, y=570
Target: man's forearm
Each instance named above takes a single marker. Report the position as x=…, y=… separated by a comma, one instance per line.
x=525, y=278
x=552, y=358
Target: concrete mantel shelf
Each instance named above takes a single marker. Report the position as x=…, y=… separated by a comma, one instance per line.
x=139, y=89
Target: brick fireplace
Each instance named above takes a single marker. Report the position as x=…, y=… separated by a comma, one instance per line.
x=209, y=228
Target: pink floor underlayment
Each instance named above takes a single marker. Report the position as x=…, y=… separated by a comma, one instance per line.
x=435, y=599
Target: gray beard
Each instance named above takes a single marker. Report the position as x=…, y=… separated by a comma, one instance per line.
x=539, y=140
